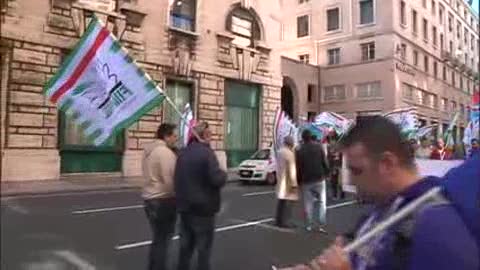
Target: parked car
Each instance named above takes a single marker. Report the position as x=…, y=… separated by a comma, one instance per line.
x=260, y=167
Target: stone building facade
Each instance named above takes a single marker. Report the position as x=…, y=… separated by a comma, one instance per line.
x=378, y=55
x=215, y=55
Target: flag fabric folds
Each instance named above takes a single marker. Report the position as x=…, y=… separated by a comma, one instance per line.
x=186, y=124
x=100, y=86
x=406, y=119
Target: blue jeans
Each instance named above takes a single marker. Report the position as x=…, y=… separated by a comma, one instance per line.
x=315, y=202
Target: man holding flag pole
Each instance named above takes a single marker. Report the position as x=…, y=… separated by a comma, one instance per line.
x=414, y=219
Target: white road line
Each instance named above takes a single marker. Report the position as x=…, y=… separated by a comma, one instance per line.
x=90, y=211
x=221, y=229
x=258, y=193
x=341, y=204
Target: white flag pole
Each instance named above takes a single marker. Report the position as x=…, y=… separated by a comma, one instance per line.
x=392, y=220
x=403, y=213
x=178, y=111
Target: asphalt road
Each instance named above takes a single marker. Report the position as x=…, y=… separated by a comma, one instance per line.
x=108, y=230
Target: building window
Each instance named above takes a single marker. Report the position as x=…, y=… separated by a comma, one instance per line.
x=444, y=73
x=181, y=94
x=472, y=42
x=305, y=58
x=459, y=30
x=426, y=63
x=368, y=51
x=403, y=15
x=440, y=14
x=369, y=90
x=310, y=92
x=333, y=19
x=450, y=47
x=465, y=36
x=403, y=51
x=303, y=26
x=408, y=91
x=462, y=110
x=415, y=58
x=444, y=104
x=334, y=93
x=450, y=22
x=435, y=69
x=434, y=8
x=461, y=82
x=453, y=78
x=441, y=42
x=303, y=1
x=414, y=22
x=244, y=27
x=425, y=29
x=434, y=36
x=425, y=99
x=466, y=59
x=424, y=3
x=334, y=56
x=433, y=101
x=366, y=12
x=453, y=105
x=182, y=14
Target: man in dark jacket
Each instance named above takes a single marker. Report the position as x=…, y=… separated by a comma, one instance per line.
x=198, y=182
x=312, y=168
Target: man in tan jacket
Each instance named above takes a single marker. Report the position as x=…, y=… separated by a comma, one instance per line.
x=158, y=193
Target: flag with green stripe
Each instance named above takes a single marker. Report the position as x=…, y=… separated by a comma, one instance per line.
x=100, y=86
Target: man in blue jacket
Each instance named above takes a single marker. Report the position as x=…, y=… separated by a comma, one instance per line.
x=198, y=183
x=383, y=169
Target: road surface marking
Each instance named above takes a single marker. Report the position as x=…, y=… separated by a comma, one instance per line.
x=221, y=229
x=100, y=210
x=258, y=193
x=74, y=259
x=341, y=204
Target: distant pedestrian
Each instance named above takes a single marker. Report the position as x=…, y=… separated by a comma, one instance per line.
x=158, y=193
x=287, y=192
x=198, y=182
x=474, y=148
x=425, y=149
x=335, y=162
x=312, y=169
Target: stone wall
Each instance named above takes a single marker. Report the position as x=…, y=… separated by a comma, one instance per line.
x=36, y=36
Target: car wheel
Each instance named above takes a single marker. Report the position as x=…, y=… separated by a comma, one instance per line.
x=271, y=179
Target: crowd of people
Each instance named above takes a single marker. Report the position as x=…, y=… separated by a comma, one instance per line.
x=188, y=183
x=437, y=150
x=382, y=167
x=302, y=174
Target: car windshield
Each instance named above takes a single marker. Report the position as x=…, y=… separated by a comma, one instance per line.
x=261, y=155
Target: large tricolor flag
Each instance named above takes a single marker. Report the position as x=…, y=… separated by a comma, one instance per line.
x=100, y=86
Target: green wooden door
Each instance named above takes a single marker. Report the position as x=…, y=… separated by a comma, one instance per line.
x=79, y=156
x=242, y=105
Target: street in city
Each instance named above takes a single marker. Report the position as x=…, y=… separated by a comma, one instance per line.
x=108, y=230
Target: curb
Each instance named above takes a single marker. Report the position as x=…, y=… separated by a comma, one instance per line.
x=64, y=191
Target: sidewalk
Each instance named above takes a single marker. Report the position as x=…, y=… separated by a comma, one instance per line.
x=75, y=184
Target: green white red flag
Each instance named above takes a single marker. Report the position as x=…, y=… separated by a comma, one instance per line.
x=100, y=86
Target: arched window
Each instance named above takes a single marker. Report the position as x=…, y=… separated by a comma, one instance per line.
x=182, y=14
x=244, y=25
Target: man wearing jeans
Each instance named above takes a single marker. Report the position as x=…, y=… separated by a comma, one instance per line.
x=158, y=169
x=312, y=169
x=198, y=183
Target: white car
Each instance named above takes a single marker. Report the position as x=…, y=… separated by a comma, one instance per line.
x=260, y=167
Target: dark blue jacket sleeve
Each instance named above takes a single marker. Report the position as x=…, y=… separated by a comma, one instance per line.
x=441, y=241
